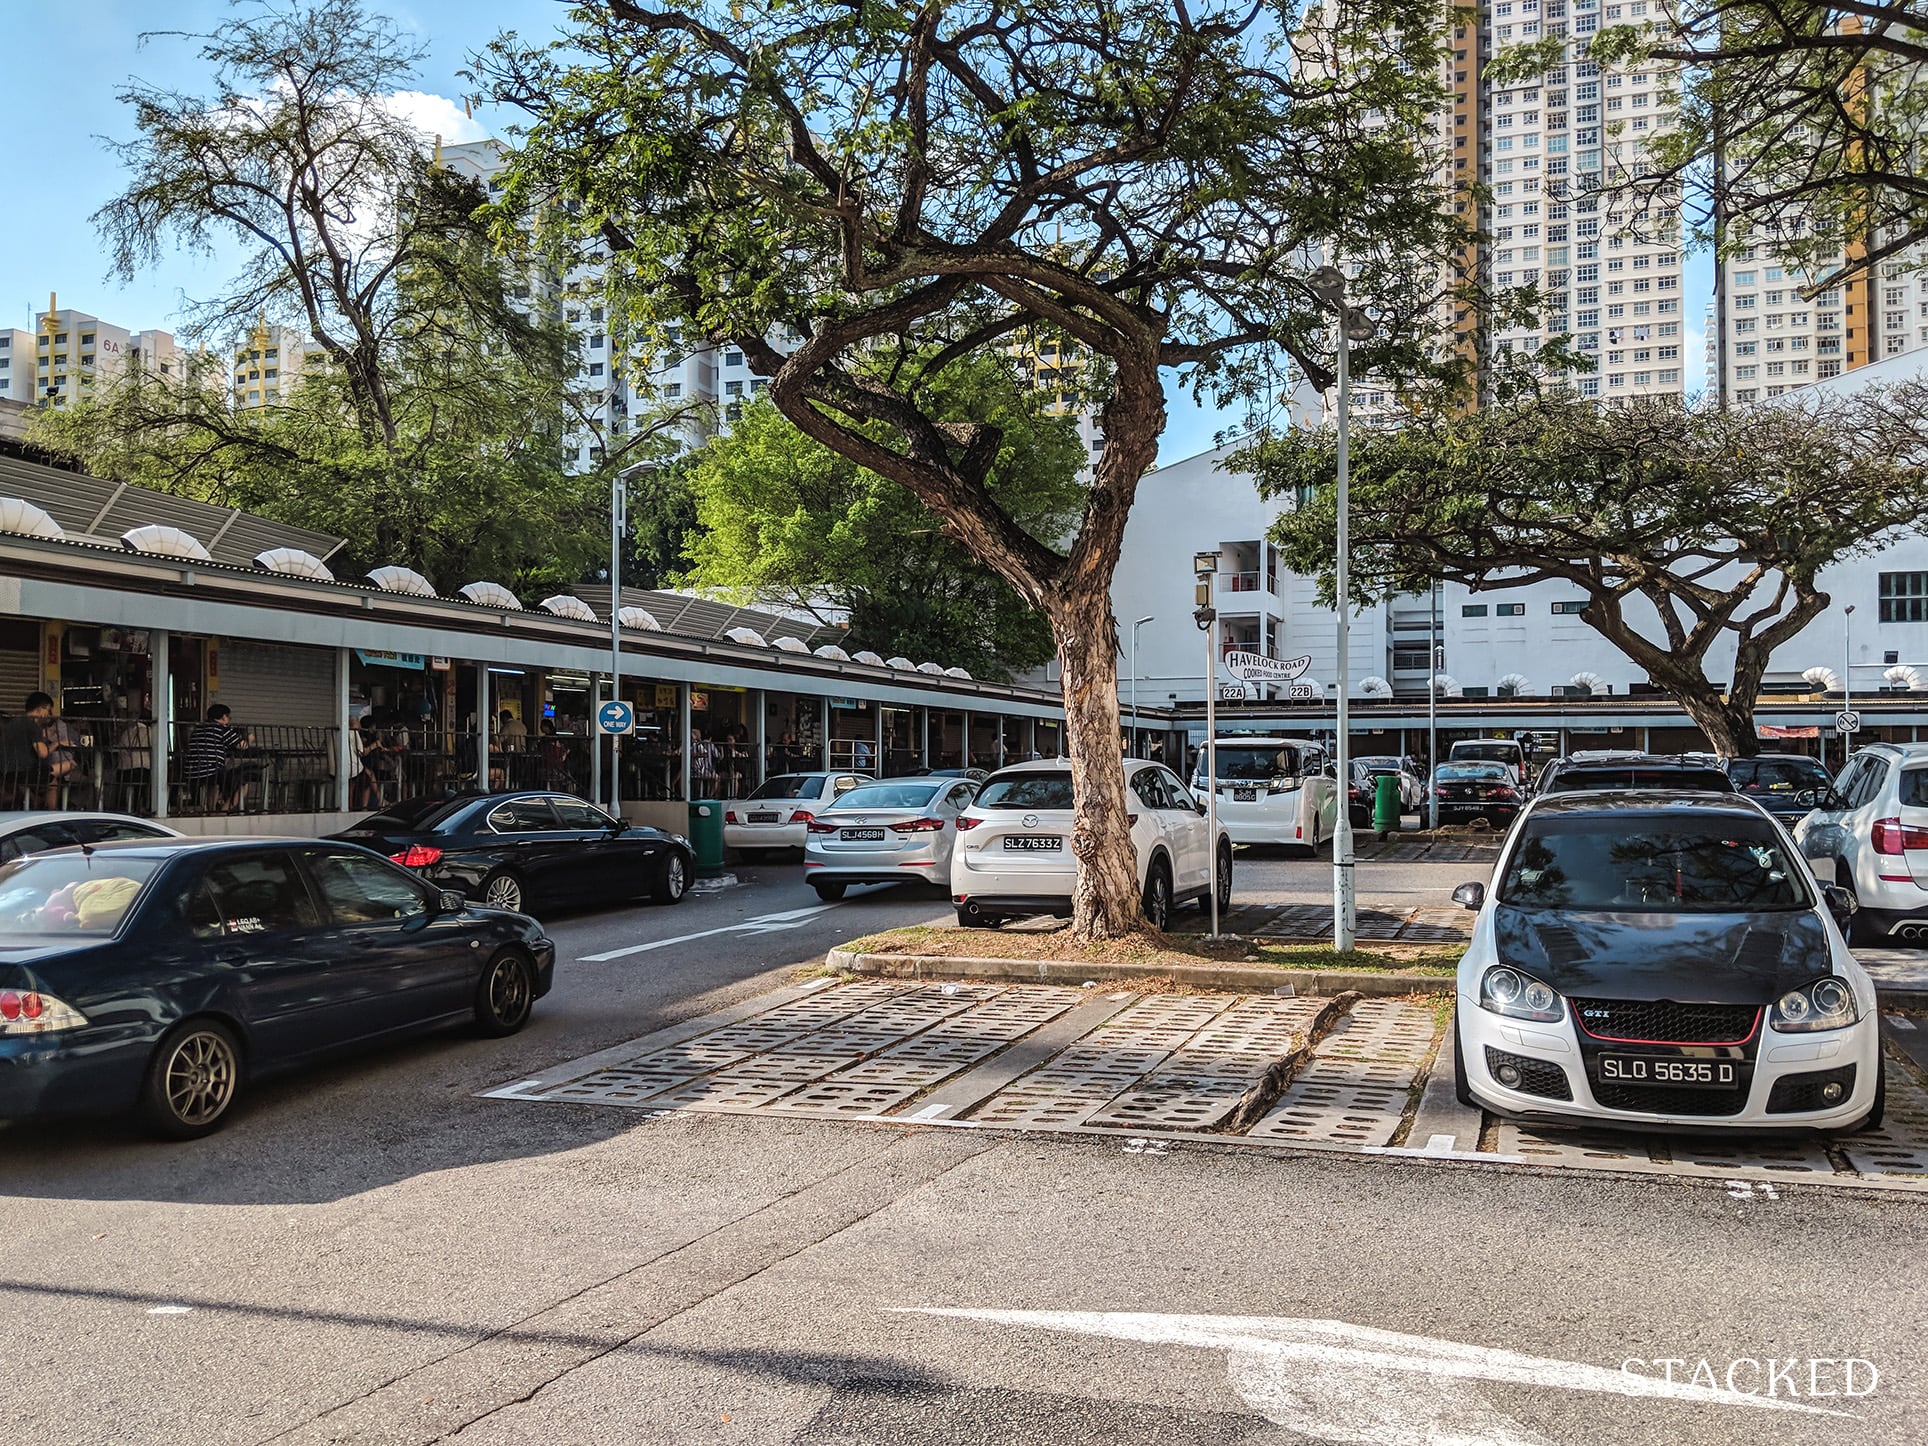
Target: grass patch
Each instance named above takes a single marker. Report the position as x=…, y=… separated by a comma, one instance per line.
x=941, y=941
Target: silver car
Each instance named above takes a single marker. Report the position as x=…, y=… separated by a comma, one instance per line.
x=1873, y=825
x=901, y=828
x=773, y=817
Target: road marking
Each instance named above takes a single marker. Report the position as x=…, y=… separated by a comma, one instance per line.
x=761, y=924
x=1749, y=1189
x=931, y=1112
x=171, y=1310
x=1335, y=1381
x=1143, y=1146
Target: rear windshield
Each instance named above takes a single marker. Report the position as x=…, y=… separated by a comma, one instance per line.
x=1775, y=775
x=415, y=815
x=1026, y=790
x=787, y=785
x=891, y=795
x=1914, y=788
x=1496, y=752
x=1382, y=765
x=1253, y=765
x=70, y=894
x=1450, y=772
x=1648, y=865
x=1672, y=780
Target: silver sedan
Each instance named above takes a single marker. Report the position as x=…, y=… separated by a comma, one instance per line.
x=886, y=832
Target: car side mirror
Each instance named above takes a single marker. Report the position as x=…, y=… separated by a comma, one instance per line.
x=1841, y=904
x=618, y=825
x=450, y=902
x=1470, y=896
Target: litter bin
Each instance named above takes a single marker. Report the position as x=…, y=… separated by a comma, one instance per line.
x=706, y=836
x=1385, y=803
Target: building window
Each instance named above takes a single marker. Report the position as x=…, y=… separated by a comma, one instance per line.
x=1473, y=610
x=1568, y=608
x=1509, y=610
x=1904, y=597
x=733, y=359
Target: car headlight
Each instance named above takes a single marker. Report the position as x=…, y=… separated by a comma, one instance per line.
x=1825, y=1004
x=1505, y=990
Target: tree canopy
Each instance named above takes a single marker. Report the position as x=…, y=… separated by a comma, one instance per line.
x=783, y=516
x=1687, y=531
x=861, y=198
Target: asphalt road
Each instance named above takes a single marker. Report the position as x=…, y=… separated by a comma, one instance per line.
x=372, y=1254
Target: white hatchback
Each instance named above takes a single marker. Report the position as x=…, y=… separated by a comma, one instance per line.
x=1013, y=854
x=1271, y=790
x=777, y=813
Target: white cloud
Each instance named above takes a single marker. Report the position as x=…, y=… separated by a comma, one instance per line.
x=433, y=115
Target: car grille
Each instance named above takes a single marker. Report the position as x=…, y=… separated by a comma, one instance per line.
x=1796, y=1094
x=1537, y=1076
x=1669, y=1100
x=1664, y=1022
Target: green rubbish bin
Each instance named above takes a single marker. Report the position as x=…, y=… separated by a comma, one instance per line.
x=1385, y=803
x=706, y=836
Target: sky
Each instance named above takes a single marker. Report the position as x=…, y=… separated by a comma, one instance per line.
x=63, y=64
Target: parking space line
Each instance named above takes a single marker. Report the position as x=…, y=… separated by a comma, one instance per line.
x=761, y=924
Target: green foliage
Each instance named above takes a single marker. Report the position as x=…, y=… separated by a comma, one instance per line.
x=784, y=516
x=1680, y=527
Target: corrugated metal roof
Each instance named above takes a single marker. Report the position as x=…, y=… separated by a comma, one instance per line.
x=92, y=509
x=699, y=617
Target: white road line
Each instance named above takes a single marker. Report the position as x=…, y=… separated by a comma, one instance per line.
x=171, y=1310
x=761, y=924
x=931, y=1112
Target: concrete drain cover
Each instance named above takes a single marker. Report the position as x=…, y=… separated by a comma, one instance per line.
x=1382, y=1031
x=1900, y=1146
x=1334, y=1114
x=1572, y=1147
x=1785, y=1156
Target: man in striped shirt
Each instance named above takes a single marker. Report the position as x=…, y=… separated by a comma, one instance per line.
x=210, y=759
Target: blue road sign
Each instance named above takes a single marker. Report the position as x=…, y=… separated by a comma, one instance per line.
x=616, y=718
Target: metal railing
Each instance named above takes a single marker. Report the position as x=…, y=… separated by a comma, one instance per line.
x=234, y=768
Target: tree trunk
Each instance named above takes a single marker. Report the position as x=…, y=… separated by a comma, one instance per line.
x=1727, y=722
x=1105, y=899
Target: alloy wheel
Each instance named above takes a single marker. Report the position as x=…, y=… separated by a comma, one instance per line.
x=200, y=1078
x=509, y=990
x=1158, y=901
x=674, y=879
x=504, y=892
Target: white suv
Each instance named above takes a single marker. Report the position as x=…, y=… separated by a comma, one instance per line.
x=1013, y=854
x=1873, y=825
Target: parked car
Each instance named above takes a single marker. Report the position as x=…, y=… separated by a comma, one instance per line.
x=886, y=832
x=1477, y=790
x=1871, y=827
x=1491, y=750
x=1270, y=790
x=165, y=976
x=1412, y=787
x=976, y=775
x=34, y=833
x=1013, y=853
x=774, y=814
x=1781, y=783
x=1617, y=770
x=1663, y=959
x=523, y=851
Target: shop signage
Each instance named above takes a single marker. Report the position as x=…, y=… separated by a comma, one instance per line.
x=382, y=658
x=440, y=665
x=665, y=695
x=1257, y=668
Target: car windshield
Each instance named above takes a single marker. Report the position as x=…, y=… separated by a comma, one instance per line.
x=787, y=785
x=891, y=795
x=1776, y=775
x=1026, y=790
x=1494, y=752
x=1670, y=780
x=1630, y=863
x=1252, y=763
x=1457, y=772
x=73, y=893
x=413, y=815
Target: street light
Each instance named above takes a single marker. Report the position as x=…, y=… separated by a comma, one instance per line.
x=1132, y=751
x=618, y=520
x=1328, y=287
x=1847, y=678
x=1205, y=568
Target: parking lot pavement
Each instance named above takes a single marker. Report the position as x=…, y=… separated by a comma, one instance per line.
x=1252, y=1070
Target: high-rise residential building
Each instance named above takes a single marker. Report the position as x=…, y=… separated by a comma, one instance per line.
x=16, y=365
x=268, y=362
x=72, y=354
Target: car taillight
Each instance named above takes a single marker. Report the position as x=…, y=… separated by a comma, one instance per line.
x=815, y=826
x=25, y=1011
x=965, y=823
x=919, y=825
x=802, y=815
x=416, y=856
x=1892, y=836
x=729, y=815
x=1504, y=792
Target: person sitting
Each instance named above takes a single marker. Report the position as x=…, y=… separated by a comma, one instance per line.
x=211, y=767
x=27, y=754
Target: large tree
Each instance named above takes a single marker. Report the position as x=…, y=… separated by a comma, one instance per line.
x=1686, y=530
x=864, y=197
x=431, y=432
x=784, y=516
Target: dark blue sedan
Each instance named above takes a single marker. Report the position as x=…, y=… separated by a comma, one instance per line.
x=163, y=976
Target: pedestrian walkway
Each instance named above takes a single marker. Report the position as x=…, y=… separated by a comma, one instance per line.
x=1239, y=1069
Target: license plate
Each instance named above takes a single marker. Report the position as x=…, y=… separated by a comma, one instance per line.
x=1245, y=795
x=763, y=818
x=1026, y=844
x=1699, y=1074
x=862, y=835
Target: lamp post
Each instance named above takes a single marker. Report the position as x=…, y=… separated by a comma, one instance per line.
x=1847, y=677
x=1205, y=568
x=1328, y=286
x=1132, y=751
x=618, y=520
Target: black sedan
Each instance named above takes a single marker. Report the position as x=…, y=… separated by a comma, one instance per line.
x=164, y=976
x=1779, y=782
x=528, y=850
x=1476, y=790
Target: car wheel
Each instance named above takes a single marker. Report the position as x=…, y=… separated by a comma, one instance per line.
x=503, y=891
x=1224, y=883
x=829, y=893
x=1462, y=1091
x=1158, y=897
x=672, y=879
x=505, y=994
x=192, y=1080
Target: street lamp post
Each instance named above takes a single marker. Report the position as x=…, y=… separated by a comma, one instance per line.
x=1847, y=677
x=618, y=520
x=1132, y=751
x=1205, y=568
x=1328, y=285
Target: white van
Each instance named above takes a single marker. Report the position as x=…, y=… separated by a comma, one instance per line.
x=1271, y=790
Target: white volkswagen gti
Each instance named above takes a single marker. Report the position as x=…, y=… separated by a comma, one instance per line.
x=1661, y=960
x=773, y=816
x=1013, y=855
x=885, y=833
